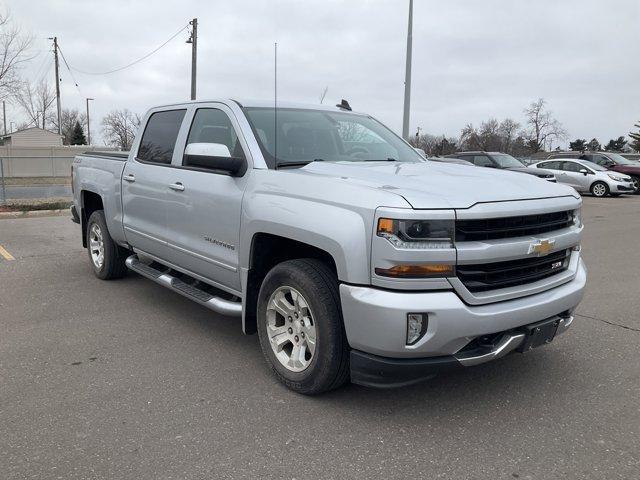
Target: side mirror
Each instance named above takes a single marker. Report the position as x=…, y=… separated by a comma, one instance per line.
x=584, y=171
x=422, y=153
x=215, y=157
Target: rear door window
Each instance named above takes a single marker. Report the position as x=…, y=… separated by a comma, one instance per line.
x=159, y=137
x=550, y=165
x=482, y=161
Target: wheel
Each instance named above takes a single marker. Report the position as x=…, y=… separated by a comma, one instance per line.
x=636, y=184
x=599, y=189
x=107, y=258
x=300, y=326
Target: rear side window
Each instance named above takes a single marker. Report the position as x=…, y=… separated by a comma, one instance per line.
x=159, y=137
x=211, y=125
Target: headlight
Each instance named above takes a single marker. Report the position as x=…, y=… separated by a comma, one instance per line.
x=417, y=234
x=616, y=178
x=577, y=217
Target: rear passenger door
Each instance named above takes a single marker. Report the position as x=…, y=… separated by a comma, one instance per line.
x=203, y=214
x=145, y=180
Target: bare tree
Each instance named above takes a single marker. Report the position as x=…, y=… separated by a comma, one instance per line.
x=323, y=94
x=35, y=101
x=470, y=138
x=14, y=48
x=69, y=118
x=489, y=136
x=508, y=132
x=119, y=128
x=543, y=128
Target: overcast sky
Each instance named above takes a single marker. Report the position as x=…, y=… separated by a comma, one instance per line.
x=471, y=59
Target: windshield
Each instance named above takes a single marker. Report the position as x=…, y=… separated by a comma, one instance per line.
x=317, y=135
x=619, y=159
x=507, y=161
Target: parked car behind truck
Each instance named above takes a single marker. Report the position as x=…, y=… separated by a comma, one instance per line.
x=586, y=176
x=329, y=236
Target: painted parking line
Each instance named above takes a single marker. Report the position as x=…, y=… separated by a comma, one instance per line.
x=4, y=254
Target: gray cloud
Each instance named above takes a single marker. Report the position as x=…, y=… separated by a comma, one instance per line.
x=472, y=60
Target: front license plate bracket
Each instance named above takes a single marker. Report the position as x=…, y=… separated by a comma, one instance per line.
x=539, y=333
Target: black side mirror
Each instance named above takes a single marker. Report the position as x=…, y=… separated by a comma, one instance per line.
x=584, y=171
x=234, y=166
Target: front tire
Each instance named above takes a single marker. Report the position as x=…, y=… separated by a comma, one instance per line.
x=599, y=189
x=106, y=257
x=636, y=184
x=300, y=326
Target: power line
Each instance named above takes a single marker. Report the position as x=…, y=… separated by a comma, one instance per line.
x=135, y=61
x=69, y=69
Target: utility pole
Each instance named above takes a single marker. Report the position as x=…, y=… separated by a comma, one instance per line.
x=407, y=77
x=88, y=124
x=193, y=40
x=4, y=116
x=55, y=56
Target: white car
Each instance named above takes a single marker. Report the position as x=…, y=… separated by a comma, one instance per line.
x=586, y=176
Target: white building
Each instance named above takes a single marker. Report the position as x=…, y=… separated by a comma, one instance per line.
x=32, y=137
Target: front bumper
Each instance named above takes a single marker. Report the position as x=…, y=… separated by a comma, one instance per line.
x=375, y=319
x=624, y=187
x=381, y=372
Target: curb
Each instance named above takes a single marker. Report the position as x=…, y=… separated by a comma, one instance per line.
x=33, y=213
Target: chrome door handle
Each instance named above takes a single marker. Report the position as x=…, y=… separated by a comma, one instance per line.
x=129, y=178
x=177, y=186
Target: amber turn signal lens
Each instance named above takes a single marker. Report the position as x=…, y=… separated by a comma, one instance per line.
x=385, y=225
x=416, y=271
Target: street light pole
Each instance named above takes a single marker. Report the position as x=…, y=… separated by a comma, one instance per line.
x=407, y=78
x=193, y=40
x=88, y=124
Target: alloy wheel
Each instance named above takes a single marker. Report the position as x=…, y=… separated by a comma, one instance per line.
x=96, y=245
x=291, y=328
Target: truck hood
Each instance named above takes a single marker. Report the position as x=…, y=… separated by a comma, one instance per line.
x=439, y=185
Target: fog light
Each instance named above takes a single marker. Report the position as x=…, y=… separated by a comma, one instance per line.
x=416, y=326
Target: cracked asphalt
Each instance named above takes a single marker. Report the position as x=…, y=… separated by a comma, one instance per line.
x=127, y=380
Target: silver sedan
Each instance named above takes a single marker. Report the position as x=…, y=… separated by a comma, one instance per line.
x=587, y=176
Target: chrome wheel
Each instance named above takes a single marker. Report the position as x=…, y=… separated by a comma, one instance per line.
x=291, y=329
x=599, y=190
x=96, y=245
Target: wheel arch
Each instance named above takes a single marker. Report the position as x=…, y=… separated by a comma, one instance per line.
x=89, y=203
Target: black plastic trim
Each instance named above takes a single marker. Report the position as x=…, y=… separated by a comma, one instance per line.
x=383, y=372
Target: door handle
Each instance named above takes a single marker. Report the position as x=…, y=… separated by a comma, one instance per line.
x=129, y=178
x=177, y=186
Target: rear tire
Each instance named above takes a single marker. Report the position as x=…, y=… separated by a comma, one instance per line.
x=106, y=257
x=300, y=326
x=599, y=189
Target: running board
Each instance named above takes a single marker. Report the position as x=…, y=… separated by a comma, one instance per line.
x=217, y=304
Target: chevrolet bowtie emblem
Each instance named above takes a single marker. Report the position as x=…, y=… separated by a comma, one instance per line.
x=542, y=247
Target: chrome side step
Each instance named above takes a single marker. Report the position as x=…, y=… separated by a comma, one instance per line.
x=217, y=304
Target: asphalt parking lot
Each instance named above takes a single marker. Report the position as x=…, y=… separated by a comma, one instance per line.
x=125, y=379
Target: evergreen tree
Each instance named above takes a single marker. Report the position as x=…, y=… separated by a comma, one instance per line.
x=594, y=145
x=616, y=145
x=635, y=144
x=578, y=145
x=77, y=137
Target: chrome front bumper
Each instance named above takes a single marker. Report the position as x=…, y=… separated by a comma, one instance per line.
x=375, y=319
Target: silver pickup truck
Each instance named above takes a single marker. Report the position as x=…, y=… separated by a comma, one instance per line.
x=350, y=255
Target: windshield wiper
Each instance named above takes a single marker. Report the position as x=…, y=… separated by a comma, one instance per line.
x=390, y=159
x=298, y=163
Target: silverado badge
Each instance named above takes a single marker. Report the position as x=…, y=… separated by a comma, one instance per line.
x=542, y=247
